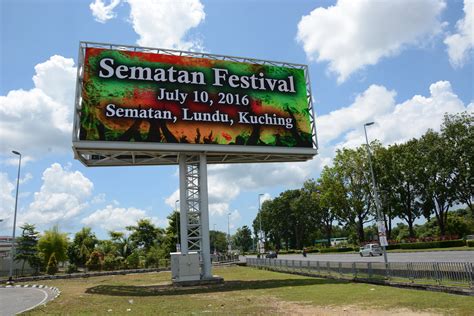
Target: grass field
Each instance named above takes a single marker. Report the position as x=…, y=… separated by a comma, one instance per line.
x=247, y=291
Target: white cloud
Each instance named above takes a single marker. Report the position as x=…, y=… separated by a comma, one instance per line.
x=7, y=201
x=353, y=34
x=394, y=123
x=62, y=196
x=460, y=44
x=102, y=12
x=374, y=101
x=165, y=23
x=40, y=120
x=158, y=23
x=114, y=218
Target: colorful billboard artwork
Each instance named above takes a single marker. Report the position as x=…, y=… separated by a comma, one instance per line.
x=132, y=96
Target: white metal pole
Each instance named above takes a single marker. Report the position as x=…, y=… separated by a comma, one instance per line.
x=14, y=217
x=183, y=207
x=178, y=244
x=204, y=208
x=260, y=239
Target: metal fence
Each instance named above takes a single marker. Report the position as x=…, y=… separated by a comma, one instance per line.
x=438, y=273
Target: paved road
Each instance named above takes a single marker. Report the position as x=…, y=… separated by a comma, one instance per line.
x=14, y=300
x=429, y=256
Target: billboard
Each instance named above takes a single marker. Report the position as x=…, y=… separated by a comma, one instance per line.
x=152, y=99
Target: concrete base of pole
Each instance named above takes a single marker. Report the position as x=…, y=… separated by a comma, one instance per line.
x=205, y=281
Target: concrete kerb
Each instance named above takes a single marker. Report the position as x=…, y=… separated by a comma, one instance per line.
x=54, y=291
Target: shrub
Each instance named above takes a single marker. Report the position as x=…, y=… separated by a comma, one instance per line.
x=95, y=261
x=470, y=243
x=52, y=267
x=133, y=261
x=72, y=268
x=343, y=249
x=429, y=244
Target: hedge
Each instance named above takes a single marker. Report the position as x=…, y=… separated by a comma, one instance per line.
x=470, y=243
x=343, y=249
x=429, y=244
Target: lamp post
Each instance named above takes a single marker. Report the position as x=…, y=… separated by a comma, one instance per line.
x=380, y=223
x=228, y=233
x=260, y=238
x=178, y=244
x=14, y=217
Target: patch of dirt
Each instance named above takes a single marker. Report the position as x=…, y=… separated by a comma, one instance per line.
x=293, y=308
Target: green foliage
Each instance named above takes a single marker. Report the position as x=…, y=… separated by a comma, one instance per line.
x=133, y=261
x=429, y=244
x=95, y=262
x=218, y=241
x=112, y=263
x=71, y=268
x=82, y=246
x=470, y=243
x=145, y=234
x=242, y=239
x=52, y=267
x=27, y=248
x=55, y=242
x=343, y=249
x=153, y=256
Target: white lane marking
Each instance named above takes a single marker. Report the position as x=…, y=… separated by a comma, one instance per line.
x=34, y=306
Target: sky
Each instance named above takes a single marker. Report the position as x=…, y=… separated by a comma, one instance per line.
x=402, y=64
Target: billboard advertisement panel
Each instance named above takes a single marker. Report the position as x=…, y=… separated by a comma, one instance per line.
x=147, y=97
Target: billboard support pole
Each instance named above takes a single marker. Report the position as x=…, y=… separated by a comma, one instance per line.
x=183, y=205
x=194, y=209
x=205, y=243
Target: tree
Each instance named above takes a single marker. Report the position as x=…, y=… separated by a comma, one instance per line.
x=145, y=234
x=400, y=181
x=55, y=242
x=436, y=185
x=122, y=244
x=82, y=246
x=27, y=247
x=52, y=267
x=218, y=241
x=332, y=200
x=458, y=134
x=243, y=239
x=352, y=170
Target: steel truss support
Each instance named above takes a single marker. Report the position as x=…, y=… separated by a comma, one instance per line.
x=194, y=210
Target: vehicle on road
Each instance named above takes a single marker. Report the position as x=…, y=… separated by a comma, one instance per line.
x=370, y=250
x=271, y=255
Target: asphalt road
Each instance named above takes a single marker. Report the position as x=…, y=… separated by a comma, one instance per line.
x=428, y=256
x=14, y=300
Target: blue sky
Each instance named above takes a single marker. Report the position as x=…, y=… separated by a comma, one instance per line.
x=401, y=64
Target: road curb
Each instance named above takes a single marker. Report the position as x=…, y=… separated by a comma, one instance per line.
x=56, y=292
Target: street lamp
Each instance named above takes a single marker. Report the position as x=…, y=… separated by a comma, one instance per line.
x=228, y=232
x=14, y=217
x=260, y=237
x=380, y=223
x=178, y=243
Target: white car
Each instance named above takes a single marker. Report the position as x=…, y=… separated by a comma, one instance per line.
x=370, y=250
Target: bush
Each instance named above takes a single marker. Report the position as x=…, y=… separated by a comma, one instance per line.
x=95, y=261
x=470, y=243
x=52, y=267
x=343, y=249
x=429, y=244
x=71, y=268
x=112, y=263
x=133, y=261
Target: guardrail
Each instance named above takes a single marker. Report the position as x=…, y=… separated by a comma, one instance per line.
x=423, y=273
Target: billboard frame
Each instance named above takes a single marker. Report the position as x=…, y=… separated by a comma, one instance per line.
x=116, y=153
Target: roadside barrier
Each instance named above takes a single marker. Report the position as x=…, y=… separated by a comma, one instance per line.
x=454, y=274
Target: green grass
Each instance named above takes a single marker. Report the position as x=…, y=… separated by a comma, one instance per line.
x=245, y=291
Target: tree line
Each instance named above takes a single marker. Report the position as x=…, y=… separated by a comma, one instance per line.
x=424, y=177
